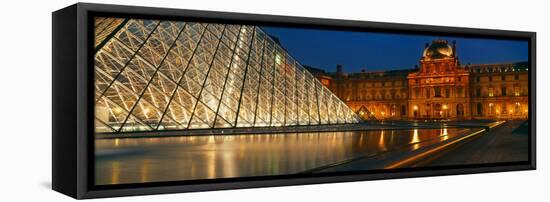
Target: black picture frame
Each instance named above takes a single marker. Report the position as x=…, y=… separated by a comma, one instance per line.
x=72, y=121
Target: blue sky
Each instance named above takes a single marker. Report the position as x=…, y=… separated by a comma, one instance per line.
x=381, y=51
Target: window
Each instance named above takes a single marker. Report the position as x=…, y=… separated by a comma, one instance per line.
x=491, y=108
x=503, y=91
x=503, y=77
x=447, y=92
x=478, y=79
x=460, y=109
x=437, y=90
x=491, y=92
x=479, y=109
x=516, y=77
x=490, y=78
x=426, y=93
x=460, y=91
x=516, y=91
x=478, y=92
x=459, y=78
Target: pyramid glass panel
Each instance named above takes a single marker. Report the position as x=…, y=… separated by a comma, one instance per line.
x=155, y=75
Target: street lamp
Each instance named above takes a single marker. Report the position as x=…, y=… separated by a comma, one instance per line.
x=415, y=108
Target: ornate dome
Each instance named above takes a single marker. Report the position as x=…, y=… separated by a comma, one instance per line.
x=438, y=49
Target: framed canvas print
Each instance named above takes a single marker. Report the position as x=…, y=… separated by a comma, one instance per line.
x=155, y=100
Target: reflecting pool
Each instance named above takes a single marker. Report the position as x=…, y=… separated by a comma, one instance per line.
x=135, y=160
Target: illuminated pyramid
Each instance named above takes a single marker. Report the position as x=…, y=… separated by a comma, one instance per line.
x=169, y=75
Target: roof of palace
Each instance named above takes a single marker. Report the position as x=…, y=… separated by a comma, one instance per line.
x=438, y=49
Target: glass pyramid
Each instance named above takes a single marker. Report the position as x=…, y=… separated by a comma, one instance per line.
x=170, y=75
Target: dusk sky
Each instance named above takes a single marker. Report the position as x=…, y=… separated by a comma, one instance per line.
x=378, y=51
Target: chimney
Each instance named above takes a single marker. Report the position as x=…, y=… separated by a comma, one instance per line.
x=339, y=68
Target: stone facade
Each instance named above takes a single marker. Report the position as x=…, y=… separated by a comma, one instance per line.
x=440, y=88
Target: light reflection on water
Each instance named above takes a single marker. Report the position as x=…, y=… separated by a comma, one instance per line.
x=444, y=134
x=415, y=139
x=134, y=160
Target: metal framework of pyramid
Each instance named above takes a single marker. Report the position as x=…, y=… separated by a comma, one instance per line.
x=170, y=75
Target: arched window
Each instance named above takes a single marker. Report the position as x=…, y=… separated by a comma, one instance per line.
x=437, y=91
x=479, y=109
x=459, y=110
x=460, y=92
x=388, y=96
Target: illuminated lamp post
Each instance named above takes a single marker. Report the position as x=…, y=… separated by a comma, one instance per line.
x=415, y=111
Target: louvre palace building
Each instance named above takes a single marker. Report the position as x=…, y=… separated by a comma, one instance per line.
x=153, y=75
x=439, y=88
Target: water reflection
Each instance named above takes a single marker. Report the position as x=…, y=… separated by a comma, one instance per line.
x=131, y=160
x=115, y=172
x=444, y=134
x=382, y=142
x=415, y=137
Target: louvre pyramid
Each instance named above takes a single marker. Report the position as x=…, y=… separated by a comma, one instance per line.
x=170, y=75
